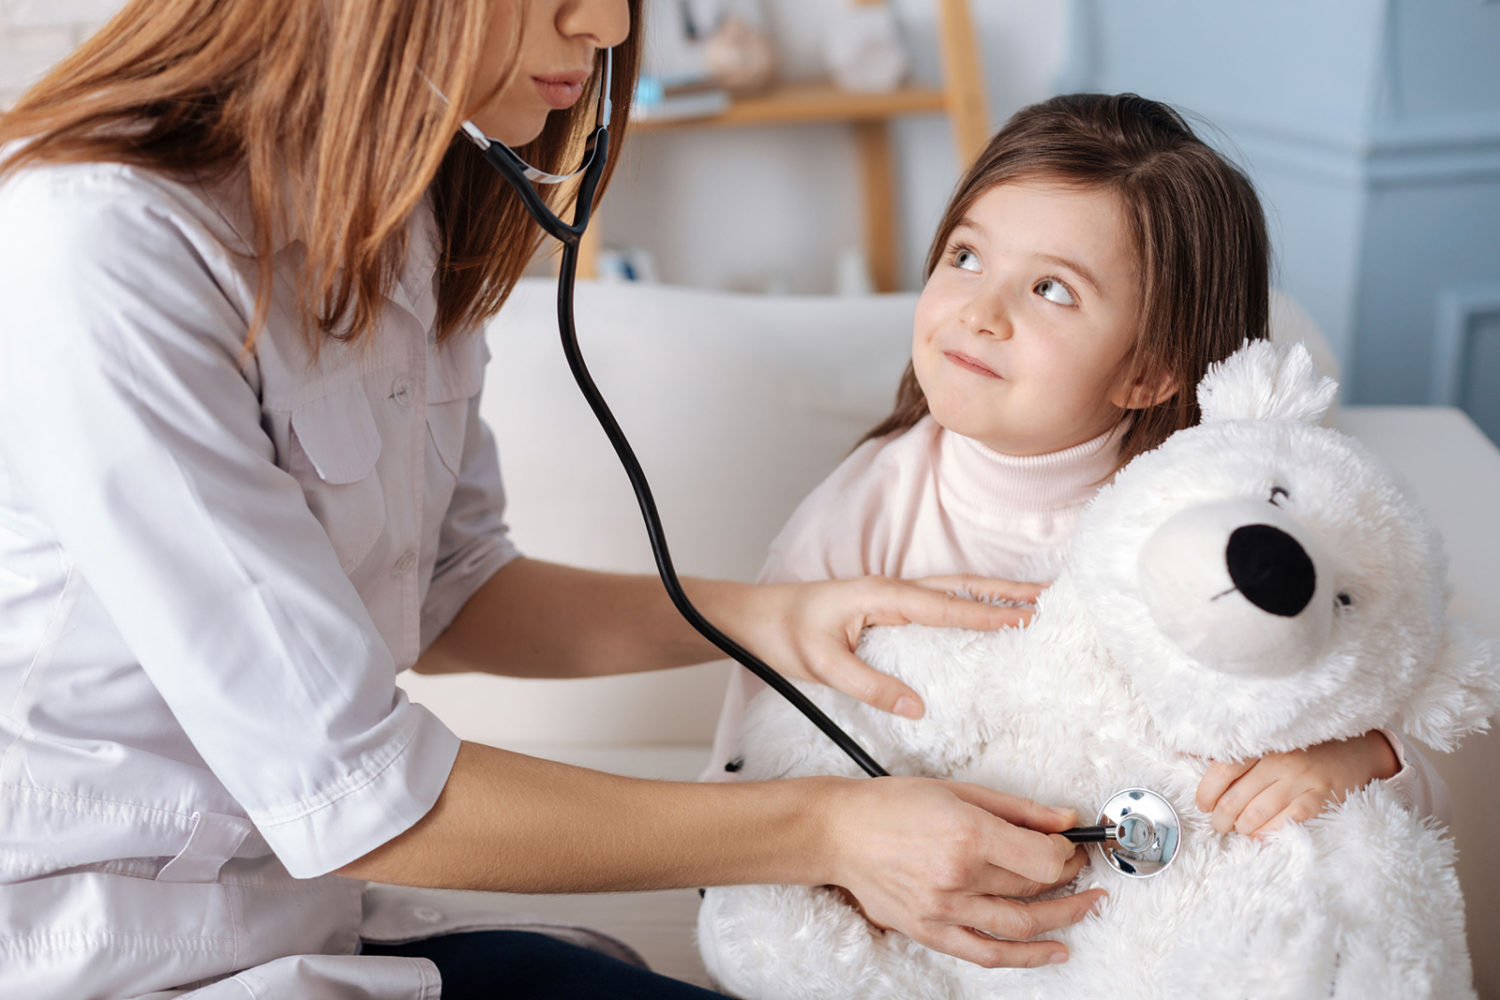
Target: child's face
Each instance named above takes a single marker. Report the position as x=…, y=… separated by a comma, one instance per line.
x=1023, y=328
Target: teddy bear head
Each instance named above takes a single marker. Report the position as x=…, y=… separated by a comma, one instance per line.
x=1266, y=584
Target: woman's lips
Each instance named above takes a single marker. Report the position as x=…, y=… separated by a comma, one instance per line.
x=964, y=361
x=559, y=91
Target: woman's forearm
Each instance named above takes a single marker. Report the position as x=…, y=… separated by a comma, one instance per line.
x=932, y=859
x=540, y=619
x=511, y=823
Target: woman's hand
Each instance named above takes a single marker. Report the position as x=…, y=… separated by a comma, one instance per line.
x=809, y=631
x=1256, y=796
x=950, y=865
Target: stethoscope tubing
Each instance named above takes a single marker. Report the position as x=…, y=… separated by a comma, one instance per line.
x=570, y=237
x=513, y=168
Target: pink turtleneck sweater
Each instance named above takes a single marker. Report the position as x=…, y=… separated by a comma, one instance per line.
x=928, y=502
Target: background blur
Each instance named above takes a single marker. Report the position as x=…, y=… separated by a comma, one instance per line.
x=1371, y=128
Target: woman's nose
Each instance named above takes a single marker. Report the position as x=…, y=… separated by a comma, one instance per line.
x=604, y=22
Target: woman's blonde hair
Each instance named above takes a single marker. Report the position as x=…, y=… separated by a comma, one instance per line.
x=329, y=107
x=1194, y=218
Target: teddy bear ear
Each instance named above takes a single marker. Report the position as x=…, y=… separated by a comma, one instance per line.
x=1266, y=381
x=1460, y=695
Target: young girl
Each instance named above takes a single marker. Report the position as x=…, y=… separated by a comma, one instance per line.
x=1093, y=262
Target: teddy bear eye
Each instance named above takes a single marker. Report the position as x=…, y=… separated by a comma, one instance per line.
x=1277, y=491
x=1344, y=600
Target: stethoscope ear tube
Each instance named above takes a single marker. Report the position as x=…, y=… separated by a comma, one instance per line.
x=514, y=170
x=664, y=568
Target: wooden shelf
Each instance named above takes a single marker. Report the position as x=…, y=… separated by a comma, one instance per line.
x=812, y=103
x=961, y=99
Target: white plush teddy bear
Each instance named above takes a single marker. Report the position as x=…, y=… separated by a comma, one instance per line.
x=1256, y=584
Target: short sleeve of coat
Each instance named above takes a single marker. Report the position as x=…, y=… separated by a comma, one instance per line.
x=129, y=425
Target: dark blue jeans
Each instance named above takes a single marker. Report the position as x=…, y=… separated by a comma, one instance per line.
x=521, y=965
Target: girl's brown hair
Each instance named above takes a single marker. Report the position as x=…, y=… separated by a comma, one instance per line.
x=327, y=108
x=1198, y=230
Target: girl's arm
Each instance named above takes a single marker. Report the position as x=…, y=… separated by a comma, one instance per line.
x=1256, y=796
x=1418, y=782
x=539, y=619
x=932, y=859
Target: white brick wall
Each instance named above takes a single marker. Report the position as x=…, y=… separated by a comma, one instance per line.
x=34, y=34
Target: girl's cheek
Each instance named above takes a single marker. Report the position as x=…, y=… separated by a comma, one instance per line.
x=919, y=369
x=924, y=319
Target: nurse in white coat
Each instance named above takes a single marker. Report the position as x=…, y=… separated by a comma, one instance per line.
x=244, y=261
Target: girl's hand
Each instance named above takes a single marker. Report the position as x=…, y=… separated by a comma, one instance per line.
x=809, y=631
x=1256, y=796
x=949, y=865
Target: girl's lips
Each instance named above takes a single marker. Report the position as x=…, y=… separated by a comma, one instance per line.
x=964, y=361
x=559, y=92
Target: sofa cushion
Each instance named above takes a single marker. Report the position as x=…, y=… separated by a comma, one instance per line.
x=736, y=405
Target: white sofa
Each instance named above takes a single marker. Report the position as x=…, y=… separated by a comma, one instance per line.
x=737, y=406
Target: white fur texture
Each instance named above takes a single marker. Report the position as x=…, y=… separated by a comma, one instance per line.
x=1095, y=696
x=1265, y=380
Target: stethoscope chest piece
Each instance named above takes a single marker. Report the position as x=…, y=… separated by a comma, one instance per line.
x=1147, y=832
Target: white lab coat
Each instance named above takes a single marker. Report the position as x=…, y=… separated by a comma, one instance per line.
x=211, y=571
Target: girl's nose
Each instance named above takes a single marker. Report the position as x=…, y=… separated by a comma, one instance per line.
x=988, y=317
x=606, y=23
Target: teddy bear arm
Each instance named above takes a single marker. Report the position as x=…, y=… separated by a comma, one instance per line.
x=1460, y=695
x=1396, y=899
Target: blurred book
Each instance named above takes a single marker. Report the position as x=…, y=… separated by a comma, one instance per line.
x=654, y=102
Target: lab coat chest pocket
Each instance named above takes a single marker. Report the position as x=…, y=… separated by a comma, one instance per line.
x=335, y=445
x=455, y=373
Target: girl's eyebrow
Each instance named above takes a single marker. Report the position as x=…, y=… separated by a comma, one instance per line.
x=1064, y=262
x=1074, y=266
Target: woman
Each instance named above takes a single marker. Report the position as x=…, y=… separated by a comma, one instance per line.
x=243, y=483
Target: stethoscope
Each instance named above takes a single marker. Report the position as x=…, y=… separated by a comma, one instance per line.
x=1138, y=831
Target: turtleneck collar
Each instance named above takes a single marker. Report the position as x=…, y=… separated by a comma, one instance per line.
x=988, y=482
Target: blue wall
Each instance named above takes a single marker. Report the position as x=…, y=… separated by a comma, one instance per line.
x=1372, y=130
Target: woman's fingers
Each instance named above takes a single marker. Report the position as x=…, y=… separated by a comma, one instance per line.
x=1039, y=858
x=936, y=861
x=1000, y=881
x=984, y=587
x=845, y=672
x=810, y=631
x=995, y=932
x=985, y=951
x=1015, y=809
x=1018, y=920
x=907, y=602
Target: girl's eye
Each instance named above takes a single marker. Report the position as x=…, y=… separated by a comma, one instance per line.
x=1055, y=291
x=965, y=258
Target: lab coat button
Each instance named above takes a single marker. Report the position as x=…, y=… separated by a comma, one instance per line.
x=401, y=390
x=426, y=914
x=405, y=564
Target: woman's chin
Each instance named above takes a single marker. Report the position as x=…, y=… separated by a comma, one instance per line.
x=513, y=130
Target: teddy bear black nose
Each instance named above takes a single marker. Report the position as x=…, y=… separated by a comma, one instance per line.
x=1271, y=569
